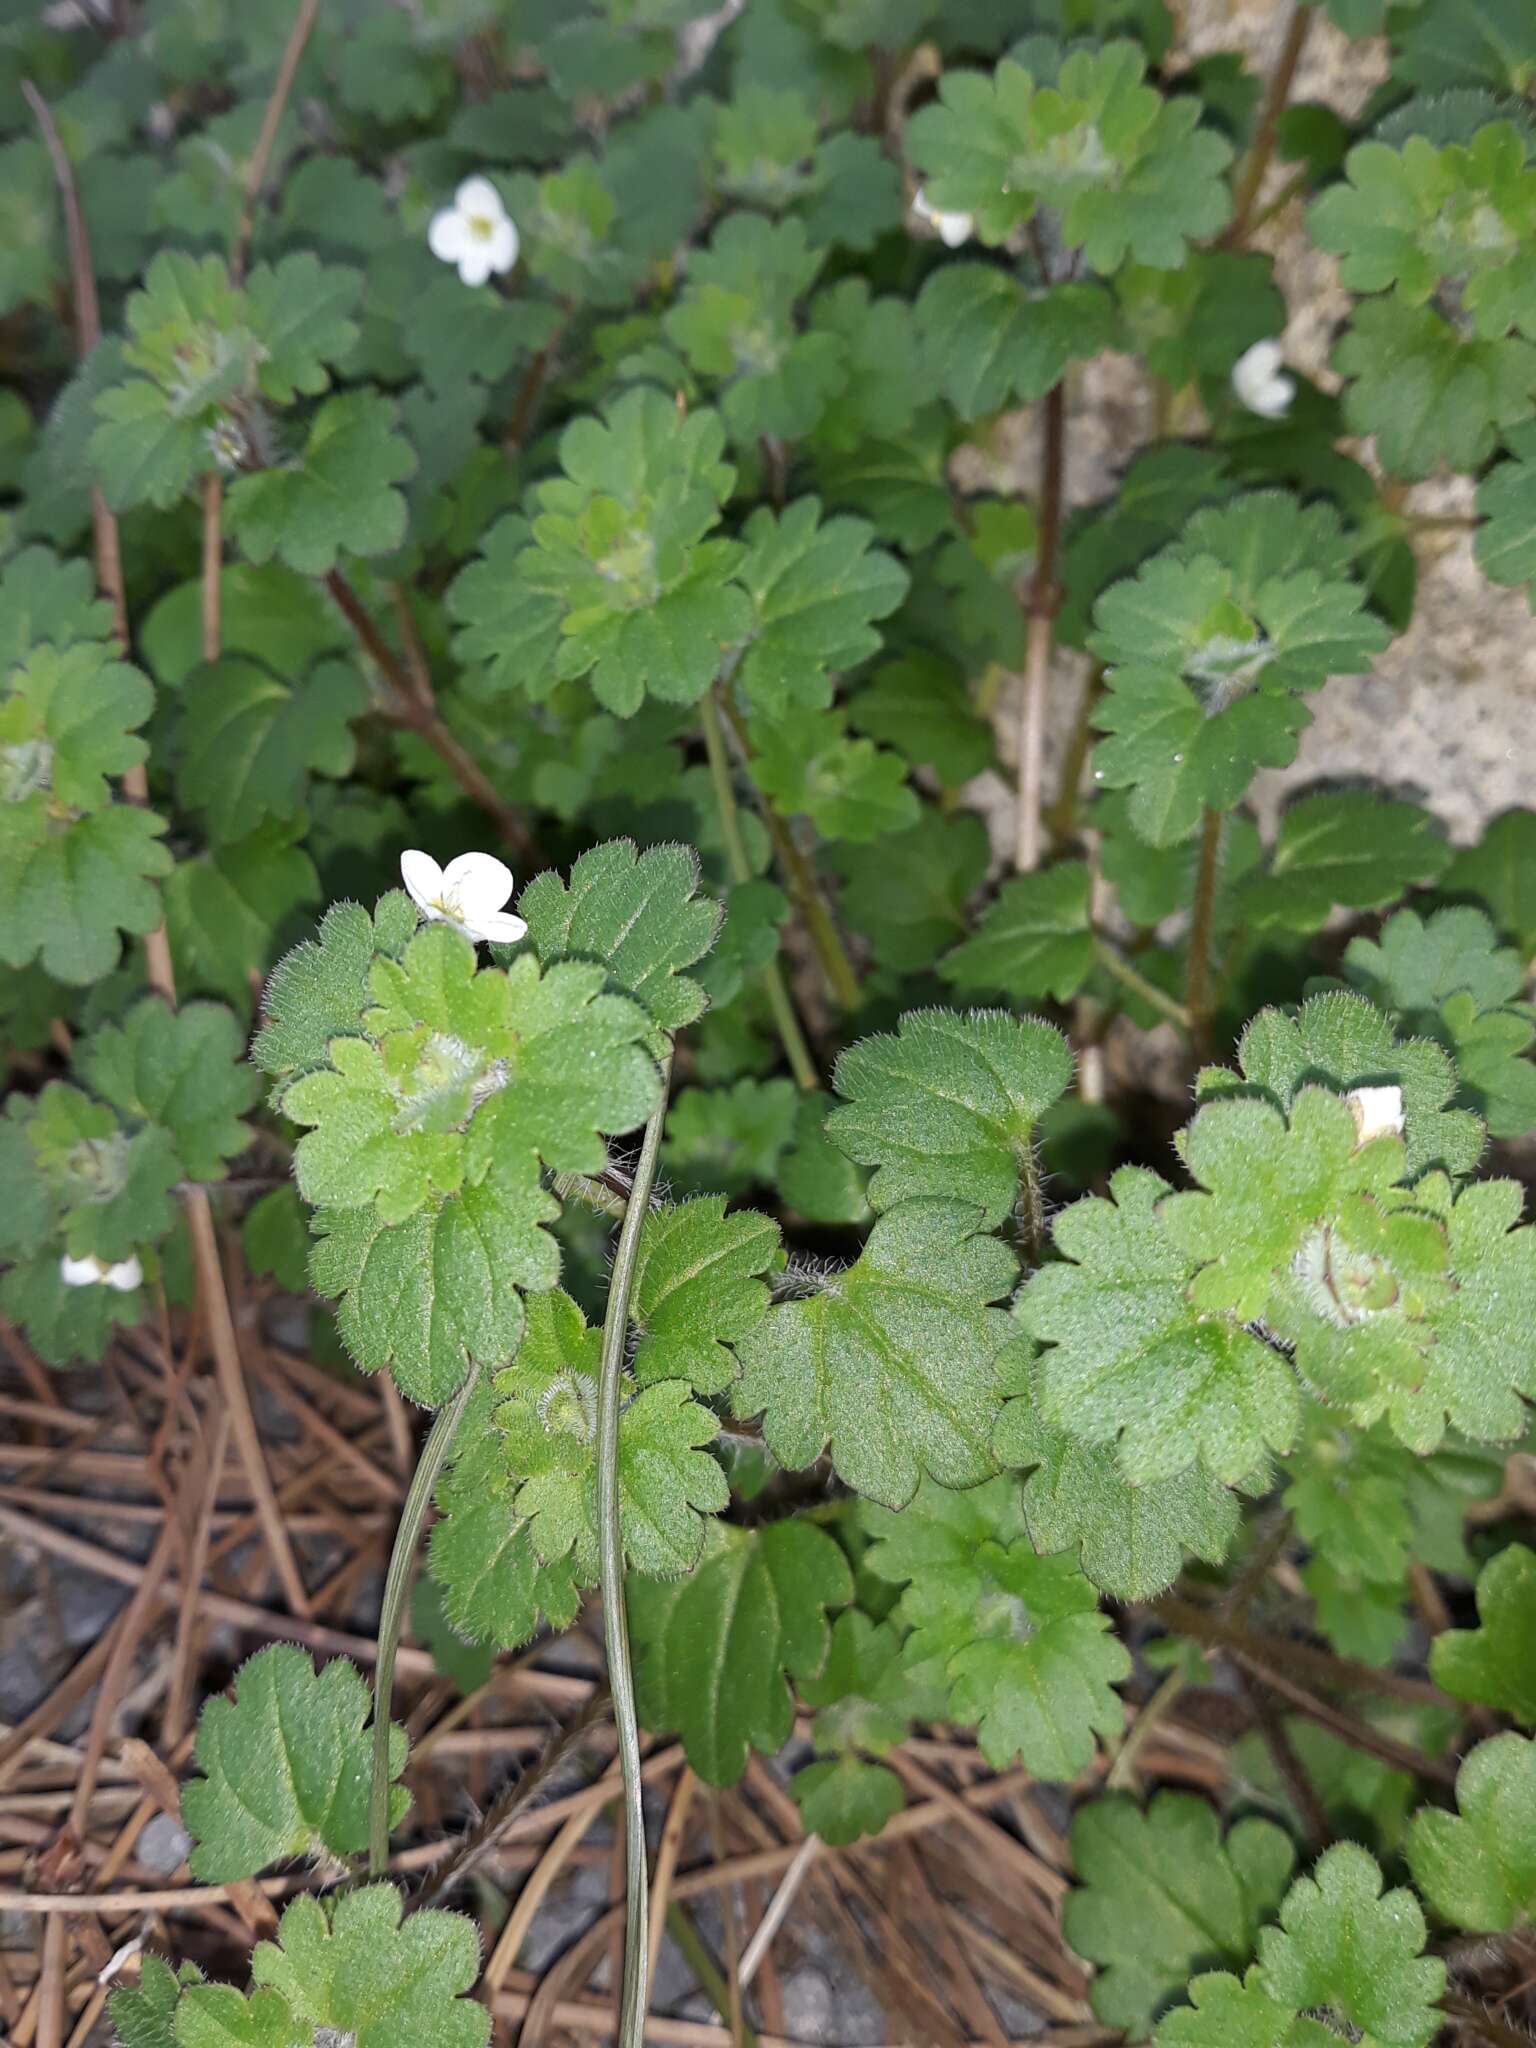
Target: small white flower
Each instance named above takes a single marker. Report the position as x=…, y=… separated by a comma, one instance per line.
x=1378, y=1112
x=469, y=892
x=476, y=232
x=124, y=1276
x=954, y=228
x=1260, y=383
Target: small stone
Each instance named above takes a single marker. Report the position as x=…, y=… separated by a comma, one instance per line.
x=163, y=1845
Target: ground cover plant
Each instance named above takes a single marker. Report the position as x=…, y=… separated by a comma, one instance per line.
x=635, y=1224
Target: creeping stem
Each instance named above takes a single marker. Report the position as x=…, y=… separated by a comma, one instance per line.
x=611, y=1574
x=414, y=1513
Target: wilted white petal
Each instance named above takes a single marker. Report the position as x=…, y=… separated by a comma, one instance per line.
x=1378, y=1112
x=81, y=1272
x=475, y=883
x=953, y=228
x=496, y=927
x=423, y=879
x=1259, y=383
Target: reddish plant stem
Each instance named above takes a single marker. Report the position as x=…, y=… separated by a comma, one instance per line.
x=1250, y=178
x=1198, y=990
x=419, y=713
x=256, y=172
x=1041, y=607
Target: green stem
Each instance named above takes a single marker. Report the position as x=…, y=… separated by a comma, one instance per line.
x=698, y=1958
x=412, y=1516
x=1197, y=989
x=1122, y=1772
x=1111, y=958
x=796, y=1051
x=803, y=886
x=611, y=1574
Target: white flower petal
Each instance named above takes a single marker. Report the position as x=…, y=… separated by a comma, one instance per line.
x=81, y=1272
x=125, y=1275
x=921, y=206
x=423, y=878
x=954, y=228
x=502, y=246
x=497, y=928
x=448, y=236
x=478, y=195
x=1378, y=1112
x=476, y=264
x=476, y=883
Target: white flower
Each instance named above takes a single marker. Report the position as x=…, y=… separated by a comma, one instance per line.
x=1260, y=383
x=124, y=1276
x=469, y=892
x=475, y=232
x=954, y=228
x=1378, y=1112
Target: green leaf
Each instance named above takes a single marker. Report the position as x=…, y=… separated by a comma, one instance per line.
x=319, y=991
x=816, y=586
x=1034, y=941
x=1027, y=1653
x=338, y=498
x=548, y=1422
x=987, y=339
x=65, y=1325
x=67, y=895
x=1477, y=1867
x=495, y=1587
x=1226, y=2014
x=621, y=583
x=298, y=310
x=1130, y=1540
x=698, y=1288
x=224, y=909
x=907, y=892
x=45, y=599
x=815, y=1178
x=1505, y=543
x=866, y=1702
x=355, y=1968
x=1350, y=848
x=1397, y=1301
x=1125, y=171
x=638, y=913
x=920, y=705
x=1160, y=1894
x=1207, y=649
x=735, y=324
x=850, y=789
x=284, y=1767
x=893, y=1363
x=1344, y=1948
x=1132, y=1359
x=249, y=743
x=111, y=1184
x=67, y=722
x=713, y=1651
x=1345, y=1043
x=1449, y=979
x=1430, y=397
x=216, y=2016
x=275, y=1238
x=144, y=2014
x=1501, y=872
x=1496, y=1663
x=183, y=1069
x=729, y=1138
x=1469, y=42
x=425, y=1297
x=948, y=1105
x=466, y=1665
